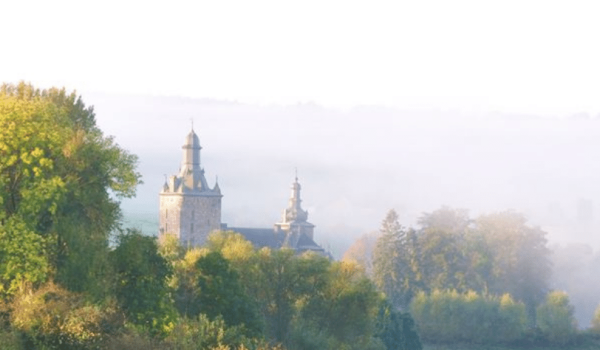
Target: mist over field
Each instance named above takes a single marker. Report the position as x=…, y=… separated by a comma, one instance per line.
x=356, y=164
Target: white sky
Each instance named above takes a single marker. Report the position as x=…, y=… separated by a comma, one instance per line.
x=510, y=56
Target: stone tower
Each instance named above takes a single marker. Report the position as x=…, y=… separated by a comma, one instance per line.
x=189, y=208
x=294, y=220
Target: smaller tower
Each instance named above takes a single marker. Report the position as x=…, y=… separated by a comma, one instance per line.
x=294, y=219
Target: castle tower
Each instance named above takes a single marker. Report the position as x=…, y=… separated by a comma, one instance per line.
x=294, y=220
x=189, y=208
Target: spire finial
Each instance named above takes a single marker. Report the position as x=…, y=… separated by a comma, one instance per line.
x=296, y=174
x=192, y=120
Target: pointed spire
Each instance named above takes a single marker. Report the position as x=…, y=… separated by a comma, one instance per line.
x=166, y=185
x=217, y=188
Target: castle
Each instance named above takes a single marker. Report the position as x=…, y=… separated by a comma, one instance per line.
x=190, y=209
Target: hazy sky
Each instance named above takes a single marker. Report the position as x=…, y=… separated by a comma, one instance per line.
x=436, y=61
x=508, y=56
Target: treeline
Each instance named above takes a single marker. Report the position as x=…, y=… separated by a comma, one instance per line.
x=66, y=282
x=225, y=295
x=483, y=280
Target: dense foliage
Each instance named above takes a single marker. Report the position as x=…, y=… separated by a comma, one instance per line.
x=60, y=178
x=555, y=318
x=496, y=254
x=449, y=316
x=483, y=280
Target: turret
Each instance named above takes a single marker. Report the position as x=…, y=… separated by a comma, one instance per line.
x=191, y=152
x=294, y=211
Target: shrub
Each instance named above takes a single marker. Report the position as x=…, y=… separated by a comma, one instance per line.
x=54, y=318
x=448, y=317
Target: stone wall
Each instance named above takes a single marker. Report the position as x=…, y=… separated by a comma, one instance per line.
x=190, y=217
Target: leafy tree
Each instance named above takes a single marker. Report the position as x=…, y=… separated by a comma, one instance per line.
x=446, y=219
x=278, y=285
x=141, y=282
x=185, y=282
x=221, y=294
x=345, y=305
x=521, y=259
x=60, y=181
x=241, y=255
x=443, y=261
x=555, y=318
x=361, y=252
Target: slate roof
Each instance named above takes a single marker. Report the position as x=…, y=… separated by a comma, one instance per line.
x=261, y=237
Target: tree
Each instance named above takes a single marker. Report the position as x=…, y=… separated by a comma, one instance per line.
x=141, y=282
x=521, y=259
x=361, y=251
x=60, y=181
x=278, y=285
x=443, y=261
x=394, y=259
x=396, y=330
x=221, y=294
x=345, y=305
x=556, y=319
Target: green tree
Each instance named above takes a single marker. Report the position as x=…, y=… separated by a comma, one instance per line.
x=361, y=251
x=555, y=318
x=521, y=260
x=278, y=286
x=344, y=306
x=221, y=294
x=141, y=282
x=393, y=262
x=60, y=181
x=396, y=330
x=443, y=262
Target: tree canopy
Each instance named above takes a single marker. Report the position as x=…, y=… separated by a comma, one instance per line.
x=60, y=182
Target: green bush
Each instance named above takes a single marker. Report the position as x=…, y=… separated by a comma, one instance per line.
x=54, y=318
x=203, y=333
x=449, y=316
